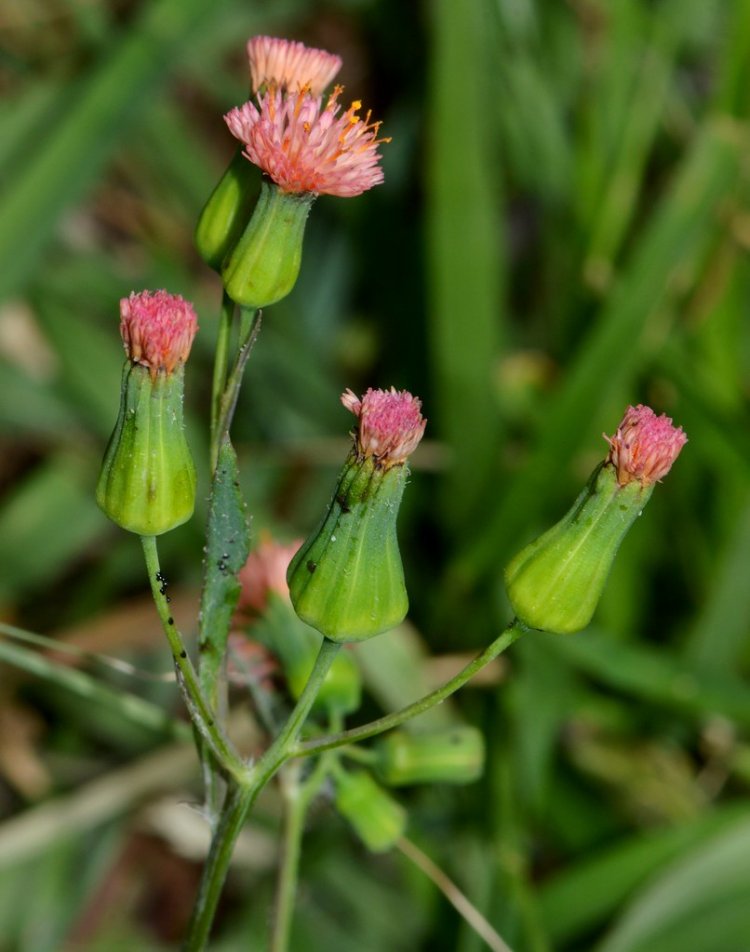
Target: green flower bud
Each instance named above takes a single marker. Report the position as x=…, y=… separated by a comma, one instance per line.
x=376, y=818
x=555, y=582
x=227, y=211
x=147, y=480
x=347, y=579
x=263, y=264
x=454, y=756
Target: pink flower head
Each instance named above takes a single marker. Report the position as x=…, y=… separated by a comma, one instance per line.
x=390, y=424
x=644, y=446
x=305, y=146
x=157, y=329
x=290, y=65
x=263, y=573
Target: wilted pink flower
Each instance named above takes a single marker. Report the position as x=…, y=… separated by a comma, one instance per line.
x=290, y=65
x=644, y=446
x=249, y=662
x=390, y=424
x=157, y=329
x=263, y=573
x=305, y=146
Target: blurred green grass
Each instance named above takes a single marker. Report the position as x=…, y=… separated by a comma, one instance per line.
x=563, y=230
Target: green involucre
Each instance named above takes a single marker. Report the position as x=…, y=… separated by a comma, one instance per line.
x=555, y=582
x=263, y=265
x=227, y=211
x=347, y=579
x=147, y=480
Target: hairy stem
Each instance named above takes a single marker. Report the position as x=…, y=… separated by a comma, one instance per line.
x=243, y=792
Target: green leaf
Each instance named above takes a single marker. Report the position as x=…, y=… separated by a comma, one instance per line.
x=607, y=877
x=87, y=132
x=130, y=707
x=658, y=676
x=466, y=251
x=49, y=520
x=227, y=546
x=701, y=902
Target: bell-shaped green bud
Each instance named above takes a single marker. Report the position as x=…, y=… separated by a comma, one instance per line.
x=227, y=211
x=555, y=582
x=376, y=818
x=455, y=755
x=347, y=579
x=147, y=480
x=263, y=264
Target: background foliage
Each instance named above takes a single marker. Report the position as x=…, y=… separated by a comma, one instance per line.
x=563, y=230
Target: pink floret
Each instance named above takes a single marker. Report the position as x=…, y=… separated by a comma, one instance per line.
x=305, y=146
x=644, y=446
x=290, y=65
x=391, y=424
x=157, y=329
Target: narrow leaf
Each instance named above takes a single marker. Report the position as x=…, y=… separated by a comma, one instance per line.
x=227, y=546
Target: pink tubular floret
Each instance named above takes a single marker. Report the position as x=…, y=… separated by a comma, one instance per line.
x=391, y=424
x=157, y=329
x=290, y=65
x=306, y=146
x=644, y=446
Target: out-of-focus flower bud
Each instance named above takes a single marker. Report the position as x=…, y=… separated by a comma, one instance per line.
x=454, y=756
x=376, y=817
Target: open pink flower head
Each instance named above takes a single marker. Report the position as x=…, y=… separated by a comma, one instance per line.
x=290, y=65
x=157, y=329
x=305, y=146
x=263, y=573
x=644, y=446
x=390, y=424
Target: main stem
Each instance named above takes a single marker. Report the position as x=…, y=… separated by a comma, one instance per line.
x=512, y=633
x=238, y=801
x=242, y=794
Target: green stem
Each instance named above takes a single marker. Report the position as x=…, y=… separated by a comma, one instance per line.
x=236, y=806
x=200, y=712
x=221, y=365
x=297, y=800
x=240, y=798
x=512, y=633
x=278, y=752
x=295, y=810
x=249, y=329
